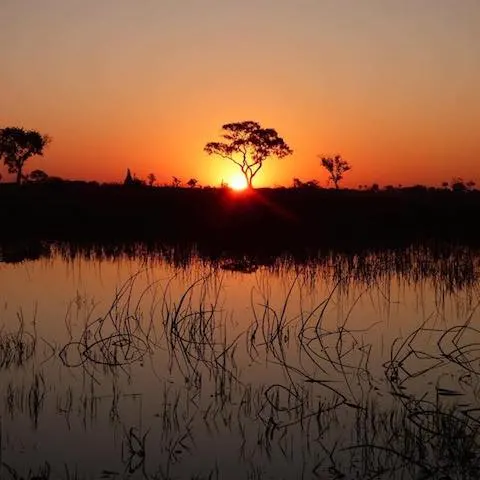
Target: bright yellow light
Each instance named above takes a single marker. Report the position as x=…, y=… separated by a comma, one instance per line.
x=238, y=182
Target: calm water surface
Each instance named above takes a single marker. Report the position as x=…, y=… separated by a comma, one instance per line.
x=136, y=368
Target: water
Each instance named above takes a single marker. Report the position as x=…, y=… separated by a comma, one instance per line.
x=143, y=366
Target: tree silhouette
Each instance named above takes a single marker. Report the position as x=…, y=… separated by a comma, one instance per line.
x=17, y=145
x=176, y=182
x=151, y=179
x=336, y=166
x=37, y=176
x=128, y=178
x=297, y=183
x=192, y=183
x=459, y=185
x=248, y=145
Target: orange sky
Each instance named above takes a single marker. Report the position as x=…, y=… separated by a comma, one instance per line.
x=392, y=86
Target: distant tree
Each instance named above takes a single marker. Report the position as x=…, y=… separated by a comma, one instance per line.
x=128, y=178
x=37, y=176
x=17, y=145
x=297, y=183
x=151, y=179
x=458, y=185
x=176, y=182
x=248, y=145
x=336, y=167
x=132, y=180
x=445, y=185
x=192, y=183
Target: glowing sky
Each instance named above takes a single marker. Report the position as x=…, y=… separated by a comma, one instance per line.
x=392, y=85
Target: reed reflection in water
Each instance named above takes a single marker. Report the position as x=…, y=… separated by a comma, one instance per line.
x=138, y=365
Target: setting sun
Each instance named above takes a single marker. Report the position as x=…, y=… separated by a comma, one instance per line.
x=238, y=182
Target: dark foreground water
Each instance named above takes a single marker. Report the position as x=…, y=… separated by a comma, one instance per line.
x=138, y=366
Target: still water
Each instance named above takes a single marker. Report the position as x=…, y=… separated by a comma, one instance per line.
x=137, y=366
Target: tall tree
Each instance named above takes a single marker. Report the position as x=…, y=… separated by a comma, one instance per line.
x=17, y=145
x=335, y=166
x=248, y=145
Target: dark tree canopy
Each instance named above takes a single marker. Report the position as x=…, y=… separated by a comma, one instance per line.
x=151, y=179
x=17, y=145
x=335, y=166
x=248, y=145
x=37, y=176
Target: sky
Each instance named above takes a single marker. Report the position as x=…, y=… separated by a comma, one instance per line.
x=392, y=86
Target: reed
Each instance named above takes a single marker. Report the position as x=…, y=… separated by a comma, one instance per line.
x=295, y=392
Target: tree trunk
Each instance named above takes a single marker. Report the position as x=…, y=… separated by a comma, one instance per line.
x=19, y=175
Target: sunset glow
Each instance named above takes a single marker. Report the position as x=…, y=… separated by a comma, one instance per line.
x=391, y=86
x=247, y=231
x=238, y=183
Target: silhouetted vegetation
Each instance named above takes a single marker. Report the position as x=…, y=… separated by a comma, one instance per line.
x=151, y=179
x=17, y=145
x=248, y=145
x=297, y=183
x=37, y=176
x=269, y=220
x=336, y=167
x=459, y=185
x=128, y=178
x=192, y=183
x=132, y=180
x=176, y=182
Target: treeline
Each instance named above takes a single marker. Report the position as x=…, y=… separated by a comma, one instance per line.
x=37, y=177
x=269, y=219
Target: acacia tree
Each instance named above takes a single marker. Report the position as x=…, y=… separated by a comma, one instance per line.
x=248, y=145
x=17, y=145
x=335, y=166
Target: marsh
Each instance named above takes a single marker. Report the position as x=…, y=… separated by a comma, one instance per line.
x=136, y=364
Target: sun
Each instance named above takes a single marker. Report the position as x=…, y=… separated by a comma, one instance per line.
x=238, y=182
